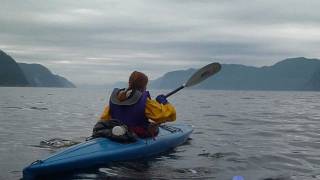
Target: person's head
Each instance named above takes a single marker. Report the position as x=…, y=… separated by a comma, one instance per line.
x=137, y=82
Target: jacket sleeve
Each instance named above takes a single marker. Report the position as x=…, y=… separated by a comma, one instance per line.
x=105, y=116
x=159, y=113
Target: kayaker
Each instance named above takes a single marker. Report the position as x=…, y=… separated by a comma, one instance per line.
x=134, y=107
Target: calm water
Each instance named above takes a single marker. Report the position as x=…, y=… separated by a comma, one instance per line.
x=255, y=134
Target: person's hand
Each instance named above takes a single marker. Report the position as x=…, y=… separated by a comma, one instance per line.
x=162, y=99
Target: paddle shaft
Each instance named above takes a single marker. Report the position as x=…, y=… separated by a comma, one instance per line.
x=174, y=91
x=199, y=76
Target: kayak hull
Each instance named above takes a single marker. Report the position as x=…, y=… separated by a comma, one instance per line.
x=101, y=151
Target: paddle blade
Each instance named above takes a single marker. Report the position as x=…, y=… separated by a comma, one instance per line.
x=203, y=74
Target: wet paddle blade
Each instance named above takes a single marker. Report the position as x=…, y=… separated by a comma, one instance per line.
x=203, y=74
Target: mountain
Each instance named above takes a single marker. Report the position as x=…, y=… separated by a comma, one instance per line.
x=290, y=74
x=10, y=72
x=40, y=76
x=172, y=79
x=34, y=75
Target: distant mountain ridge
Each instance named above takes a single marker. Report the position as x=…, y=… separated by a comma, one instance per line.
x=40, y=76
x=290, y=74
x=33, y=75
x=10, y=72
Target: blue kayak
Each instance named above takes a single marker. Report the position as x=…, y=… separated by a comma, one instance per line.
x=101, y=151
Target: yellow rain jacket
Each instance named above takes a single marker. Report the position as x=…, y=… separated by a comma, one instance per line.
x=159, y=113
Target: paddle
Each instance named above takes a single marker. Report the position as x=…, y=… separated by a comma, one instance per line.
x=199, y=76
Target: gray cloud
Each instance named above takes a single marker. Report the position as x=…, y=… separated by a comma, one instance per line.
x=88, y=40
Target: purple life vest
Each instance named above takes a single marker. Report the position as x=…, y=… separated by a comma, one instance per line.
x=130, y=112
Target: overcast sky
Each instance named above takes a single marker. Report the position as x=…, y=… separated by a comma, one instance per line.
x=102, y=41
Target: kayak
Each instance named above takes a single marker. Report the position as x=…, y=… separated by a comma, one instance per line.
x=101, y=151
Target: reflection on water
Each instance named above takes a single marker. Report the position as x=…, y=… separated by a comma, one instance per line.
x=255, y=134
